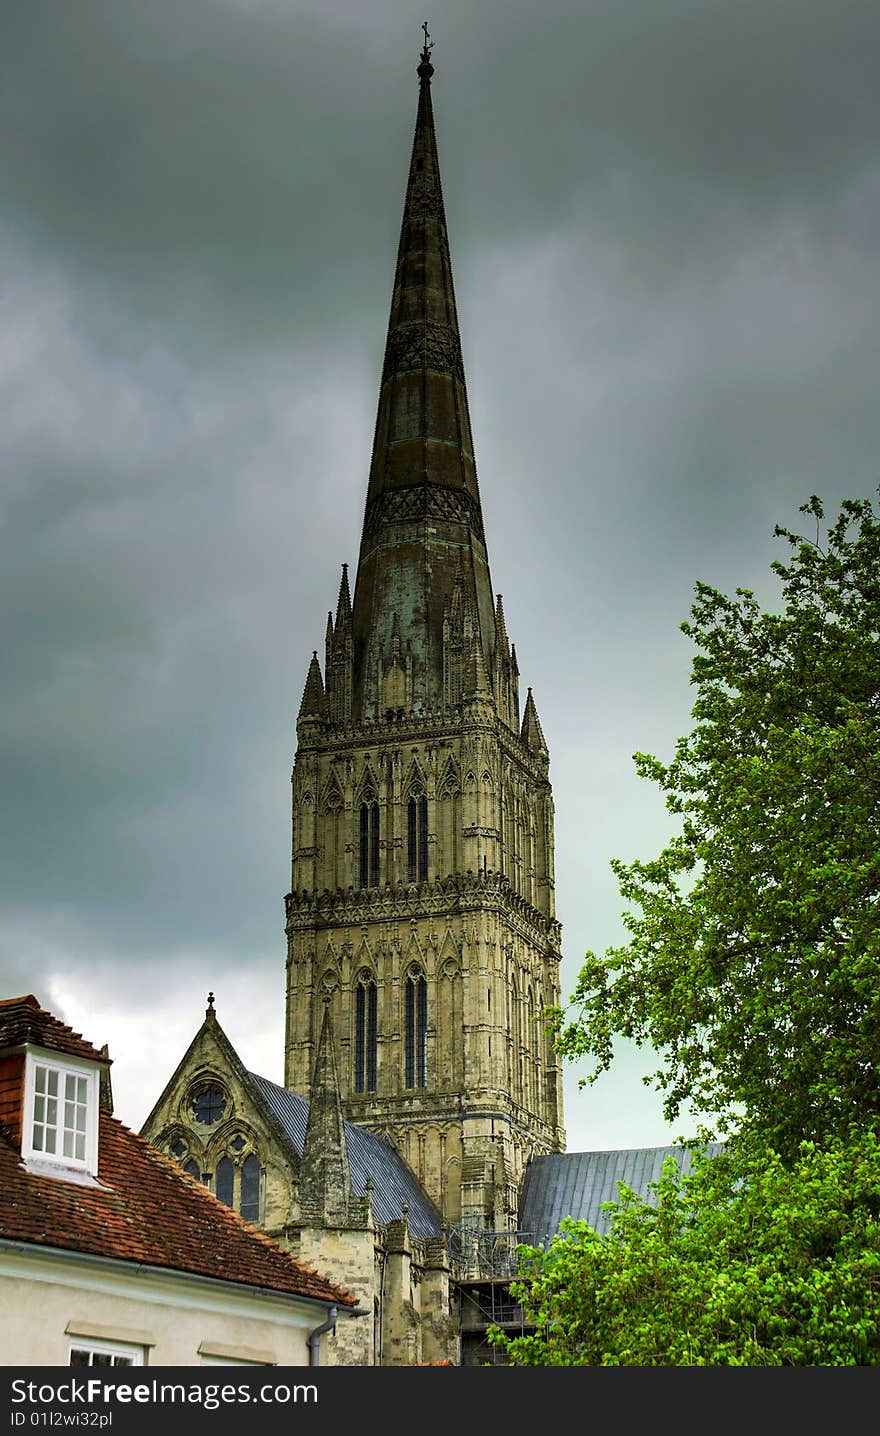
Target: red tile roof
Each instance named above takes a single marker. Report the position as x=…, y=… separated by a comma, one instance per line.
x=148, y=1209
x=22, y=1019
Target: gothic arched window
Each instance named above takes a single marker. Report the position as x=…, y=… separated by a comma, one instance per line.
x=223, y=1181
x=369, y=842
x=208, y=1105
x=193, y=1168
x=250, y=1189
x=416, y=1029
x=365, y=1034
x=417, y=838
x=529, y=1093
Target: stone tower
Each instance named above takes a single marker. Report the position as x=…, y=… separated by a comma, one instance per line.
x=421, y=919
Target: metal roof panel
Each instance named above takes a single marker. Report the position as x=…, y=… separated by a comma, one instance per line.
x=575, y=1184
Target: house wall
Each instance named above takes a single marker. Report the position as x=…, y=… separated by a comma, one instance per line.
x=44, y=1298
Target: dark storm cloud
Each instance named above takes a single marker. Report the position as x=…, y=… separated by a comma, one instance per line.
x=664, y=222
x=178, y=160
x=196, y=157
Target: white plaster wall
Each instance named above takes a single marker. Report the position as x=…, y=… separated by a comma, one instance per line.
x=42, y=1299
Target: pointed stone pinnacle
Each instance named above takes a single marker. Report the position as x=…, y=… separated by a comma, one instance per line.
x=500, y=624
x=312, y=705
x=478, y=685
x=343, y=604
x=531, y=733
x=325, y=1179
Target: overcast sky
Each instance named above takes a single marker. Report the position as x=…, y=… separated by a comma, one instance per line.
x=664, y=224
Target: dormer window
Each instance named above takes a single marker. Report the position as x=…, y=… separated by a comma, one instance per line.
x=60, y=1126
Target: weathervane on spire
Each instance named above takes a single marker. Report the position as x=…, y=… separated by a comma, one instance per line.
x=426, y=69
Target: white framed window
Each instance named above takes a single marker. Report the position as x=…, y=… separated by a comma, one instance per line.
x=60, y=1126
x=86, y=1352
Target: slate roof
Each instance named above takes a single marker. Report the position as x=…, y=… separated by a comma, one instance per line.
x=575, y=1184
x=146, y=1208
x=368, y=1155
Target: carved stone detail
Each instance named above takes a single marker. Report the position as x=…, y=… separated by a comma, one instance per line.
x=423, y=345
x=429, y=501
x=352, y=906
x=423, y=198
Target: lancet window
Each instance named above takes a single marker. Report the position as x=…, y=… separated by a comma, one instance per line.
x=417, y=837
x=237, y=1183
x=365, y=1034
x=224, y=1180
x=368, y=871
x=250, y=1189
x=416, y=1029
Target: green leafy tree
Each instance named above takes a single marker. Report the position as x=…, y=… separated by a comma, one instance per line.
x=753, y=969
x=748, y=1261
x=753, y=961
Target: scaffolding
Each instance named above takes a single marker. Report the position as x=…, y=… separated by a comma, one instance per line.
x=483, y=1265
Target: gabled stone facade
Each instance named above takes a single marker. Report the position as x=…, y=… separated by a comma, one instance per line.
x=214, y=1110
x=235, y=1126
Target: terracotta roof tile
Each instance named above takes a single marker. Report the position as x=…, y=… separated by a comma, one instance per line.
x=151, y=1212
x=22, y=1019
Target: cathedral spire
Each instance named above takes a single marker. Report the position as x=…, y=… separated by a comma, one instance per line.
x=422, y=814
x=423, y=520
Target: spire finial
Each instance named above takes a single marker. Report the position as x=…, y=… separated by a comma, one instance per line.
x=426, y=69
x=209, y=1011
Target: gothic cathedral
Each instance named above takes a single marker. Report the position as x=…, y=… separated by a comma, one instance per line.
x=421, y=904
x=422, y=940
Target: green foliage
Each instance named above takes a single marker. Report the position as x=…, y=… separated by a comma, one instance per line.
x=749, y=1261
x=753, y=968
x=754, y=953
